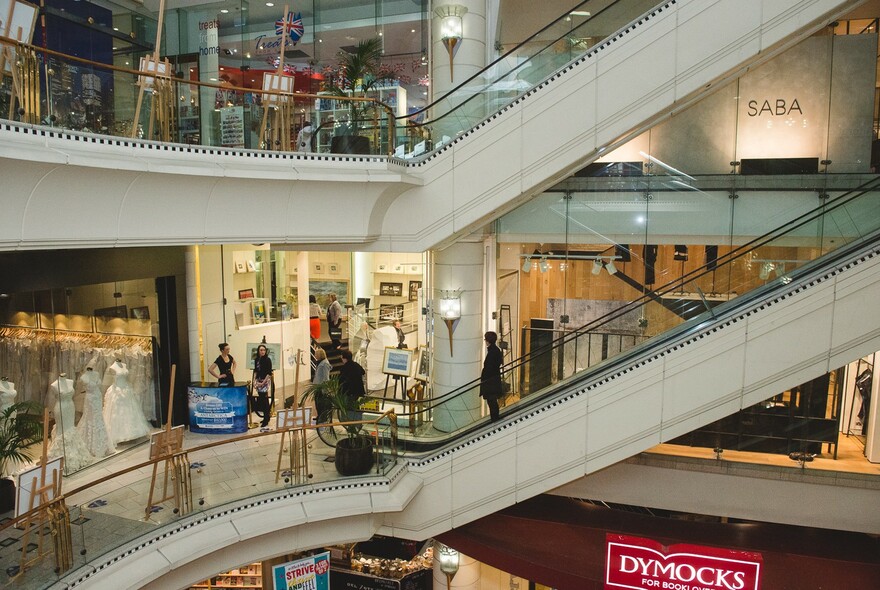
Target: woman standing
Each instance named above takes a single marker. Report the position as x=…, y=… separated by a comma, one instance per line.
x=224, y=366
x=490, y=378
x=322, y=371
x=262, y=383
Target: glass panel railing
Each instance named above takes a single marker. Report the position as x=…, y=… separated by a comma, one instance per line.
x=72, y=93
x=551, y=355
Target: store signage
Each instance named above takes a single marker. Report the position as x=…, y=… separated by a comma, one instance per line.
x=643, y=564
x=311, y=573
x=217, y=410
x=774, y=108
x=209, y=41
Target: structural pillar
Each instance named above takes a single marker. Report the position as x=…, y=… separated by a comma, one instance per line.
x=458, y=268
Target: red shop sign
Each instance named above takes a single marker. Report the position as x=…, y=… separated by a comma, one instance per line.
x=642, y=564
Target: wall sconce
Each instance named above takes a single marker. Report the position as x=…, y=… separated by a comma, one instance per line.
x=450, y=311
x=450, y=28
x=449, y=560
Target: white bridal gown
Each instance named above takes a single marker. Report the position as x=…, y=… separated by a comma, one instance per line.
x=122, y=411
x=66, y=440
x=91, y=424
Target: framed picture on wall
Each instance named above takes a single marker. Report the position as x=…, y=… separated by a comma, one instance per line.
x=239, y=266
x=382, y=267
x=414, y=287
x=140, y=313
x=318, y=267
x=397, y=361
x=391, y=289
x=246, y=294
x=333, y=268
x=117, y=311
x=258, y=310
x=414, y=269
x=423, y=364
x=397, y=268
x=390, y=312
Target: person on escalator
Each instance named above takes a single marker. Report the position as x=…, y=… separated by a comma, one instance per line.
x=490, y=377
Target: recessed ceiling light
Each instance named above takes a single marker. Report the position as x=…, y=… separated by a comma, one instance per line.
x=224, y=11
x=320, y=40
x=380, y=33
x=115, y=28
x=579, y=13
x=412, y=30
x=270, y=4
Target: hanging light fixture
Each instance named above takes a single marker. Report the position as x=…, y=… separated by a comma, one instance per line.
x=609, y=266
x=597, y=266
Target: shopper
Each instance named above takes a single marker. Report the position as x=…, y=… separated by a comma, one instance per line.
x=351, y=376
x=304, y=138
x=262, y=383
x=322, y=371
x=314, y=318
x=223, y=366
x=401, y=337
x=334, y=321
x=490, y=378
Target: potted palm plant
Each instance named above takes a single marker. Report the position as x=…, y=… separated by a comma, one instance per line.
x=354, y=450
x=356, y=72
x=20, y=427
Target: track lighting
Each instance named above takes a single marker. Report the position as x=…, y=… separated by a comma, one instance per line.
x=609, y=266
x=527, y=265
x=766, y=269
x=544, y=266
x=597, y=266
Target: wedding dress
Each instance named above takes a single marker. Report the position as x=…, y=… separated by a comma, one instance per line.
x=66, y=440
x=122, y=411
x=91, y=424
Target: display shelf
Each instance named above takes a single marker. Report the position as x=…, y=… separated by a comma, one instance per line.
x=236, y=578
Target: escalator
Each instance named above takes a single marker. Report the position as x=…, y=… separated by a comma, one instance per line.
x=495, y=142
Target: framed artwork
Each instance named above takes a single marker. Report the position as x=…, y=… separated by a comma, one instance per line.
x=246, y=294
x=390, y=312
x=321, y=289
x=117, y=311
x=318, y=267
x=414, y=287
x=333, y=268
x=382, y=268
x=391, y=289
x=140, y=313
x=398, y=361
x=397, y=268
x=423, y=364
x=414, y=269
x=258, y=311
x=239, y=266
x=251, y=266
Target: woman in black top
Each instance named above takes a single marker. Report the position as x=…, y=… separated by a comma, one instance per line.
x=224, y=366
x=490, y=378
x=262, y=383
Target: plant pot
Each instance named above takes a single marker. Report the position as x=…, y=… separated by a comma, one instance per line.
x=7, y=495
x=350, y=144
x=354, y=456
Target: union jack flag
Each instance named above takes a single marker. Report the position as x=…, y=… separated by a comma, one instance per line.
x=291, y=25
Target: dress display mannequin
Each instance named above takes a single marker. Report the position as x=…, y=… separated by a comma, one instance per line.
x=123, y=415
x=91, y=424
x=66, y=440
x=7, y=394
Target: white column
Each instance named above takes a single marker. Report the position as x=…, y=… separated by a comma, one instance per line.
x=362, y=277
x=458, y=267
x=467, y=577
x=193, y=314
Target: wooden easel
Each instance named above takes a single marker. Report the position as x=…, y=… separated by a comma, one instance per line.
x=168, y=445
x=280, y=105
x=398, y=380
x=157, y=79
x=47, y=511
x=416, y=397
x=299, y=361
x=21, y=62
x=293, y=423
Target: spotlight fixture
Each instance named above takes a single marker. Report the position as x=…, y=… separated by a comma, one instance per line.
x=527, y=265
x=597, y=266
x=780, y=269
x=544, y=266
x=609, y=266
x=766, y=269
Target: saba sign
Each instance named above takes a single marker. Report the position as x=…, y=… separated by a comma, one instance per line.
x=642, y=564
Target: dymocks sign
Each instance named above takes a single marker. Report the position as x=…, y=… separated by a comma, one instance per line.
x=642, y=564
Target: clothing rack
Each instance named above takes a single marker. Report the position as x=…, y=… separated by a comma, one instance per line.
x=32, y=358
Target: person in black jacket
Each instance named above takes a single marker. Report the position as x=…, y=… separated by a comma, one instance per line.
x=351, y=376
x=262, y=383
x=490, y=378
